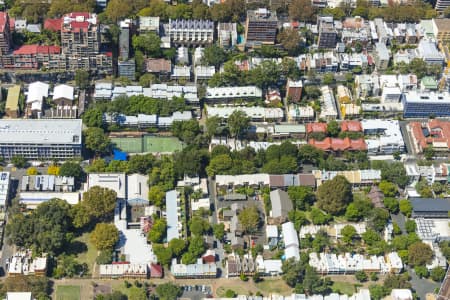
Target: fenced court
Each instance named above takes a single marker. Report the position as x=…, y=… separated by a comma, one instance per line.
x=147, y=144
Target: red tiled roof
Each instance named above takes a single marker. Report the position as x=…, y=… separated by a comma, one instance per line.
x=156, y=271
x=12, y=24
x=79, y=14
x=316, y=127
x=209, y=259
x=442, y=128
x=53, y=24
x=352, y=126
x=3, y=18
x=334, y=144
x=35, y=49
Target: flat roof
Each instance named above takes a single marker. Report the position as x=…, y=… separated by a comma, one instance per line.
x=40, y=131
x=172, y=215
x=12, y=101
x=430, y=204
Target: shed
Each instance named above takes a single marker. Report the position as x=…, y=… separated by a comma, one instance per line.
x=281, y=204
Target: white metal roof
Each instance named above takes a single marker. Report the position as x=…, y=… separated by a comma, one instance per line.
x=63, y=91
x=40, y=131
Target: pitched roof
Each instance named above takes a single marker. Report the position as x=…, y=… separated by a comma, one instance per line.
x=37, y=49
x=3, y=20
x=156, y=271
x=335, y=144
x=53, y=24
x=430, y=204
x=316, y=127
x=281, y=203
x=351, y=126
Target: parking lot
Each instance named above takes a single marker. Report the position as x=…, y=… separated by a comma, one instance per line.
x=196, y=292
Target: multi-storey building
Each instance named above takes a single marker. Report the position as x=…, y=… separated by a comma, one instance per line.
x=40, y=139
x=5, y=34
x=36, y=57
x=441, y=27
x=227, y=34
x=261, y=27
x=424, y=105
x=327, y=33
x=191, y=32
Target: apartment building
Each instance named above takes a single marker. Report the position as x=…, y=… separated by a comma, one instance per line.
x=441, y=27
x=424, y=105
x=381, y=56
x=261, y=27
x=227, y=34
x=191, y=32
x=40, y=139
x=5, y=34
x=37, y=56
x=327, y=33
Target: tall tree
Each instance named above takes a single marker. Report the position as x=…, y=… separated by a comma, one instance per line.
x=96, y=140
x=105, y=236
x=118, y=9
x=214, y=56
x=238, y=122
x=301, y=10
x=334, y=195
x=249, y=219
x=168, y=291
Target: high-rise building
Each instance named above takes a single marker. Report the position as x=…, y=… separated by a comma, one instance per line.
x=261, y=27
x=124, y=39
x=80, y=34
x=5, y=34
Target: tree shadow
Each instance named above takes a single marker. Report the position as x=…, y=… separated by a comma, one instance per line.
x=76, y=247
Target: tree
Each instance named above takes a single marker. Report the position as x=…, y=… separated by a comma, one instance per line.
x=68, y=266
x=82, y=78
x=388, y=188
x=19, y=161
x=290, y=39
x=419, y=254
x=318, y=217
x=447, y=12
x=405, y=207
x=393, y=172
x=419, y=67
x=334, y=195
x=265, y=74
x=147, y=80
x=371, y=237
x=361, y=276
x=156, y=195
x=230, y=294
x=238, y=122
x=214, y=56
x=301, y=10
x=45, y=229
x=358, y=210
x=39, y=286
x=32, y=171
x=333, y=128
x=437, y=274
x=104, y=258
x=118, y=9
x=105, y=236
x=421, y=271
x=377, y=292
x=301, y=196
x=177, y=246
x=198, y=226
x=348, y=234
x=93, y=117
x=293, y=271
x=148, y=43
x=71, y=169
x=96, y=140
x=410, y=226
x=378, y=218
x=98, y=204
x=391, y=204
x=219, y=231
x=163, y=254
x=137, y=293
x=158, y=231
x=213, y=126
x=53, y=170
x=219, y=165
x=298, y=218
x=328, y=78
x=428, y=152
x=249, y=219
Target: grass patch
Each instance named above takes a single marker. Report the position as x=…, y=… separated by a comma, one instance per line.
x=68, y=292
x=89, y=254
x=342, y=287
x=240, y=290
x=273, y=286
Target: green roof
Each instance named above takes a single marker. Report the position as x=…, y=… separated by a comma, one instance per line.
x=297, y=128
x=12, y=101
x=429, y=83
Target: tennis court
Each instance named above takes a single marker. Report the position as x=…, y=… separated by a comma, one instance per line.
x=147, y=144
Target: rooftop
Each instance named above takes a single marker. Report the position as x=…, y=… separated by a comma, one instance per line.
x=12, y=101
x=41, y=131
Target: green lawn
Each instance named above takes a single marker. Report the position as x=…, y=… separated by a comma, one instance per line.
x=68, y=292
x=240, y=290
x=274, y=286
x=343, y=287
x=90, y=254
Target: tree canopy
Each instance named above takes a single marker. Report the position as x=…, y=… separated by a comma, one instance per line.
x=334, y=195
